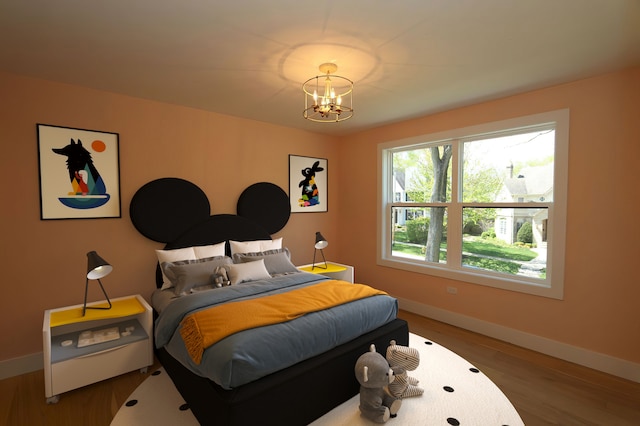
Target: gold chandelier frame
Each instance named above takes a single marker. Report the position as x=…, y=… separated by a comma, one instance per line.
x=335, y=104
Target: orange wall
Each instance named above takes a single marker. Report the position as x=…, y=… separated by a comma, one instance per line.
x=44, y=262
x=602, y=285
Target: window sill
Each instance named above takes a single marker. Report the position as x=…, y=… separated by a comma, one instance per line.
x=517, y=283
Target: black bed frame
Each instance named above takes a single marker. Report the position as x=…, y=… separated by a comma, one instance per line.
x=295, y=396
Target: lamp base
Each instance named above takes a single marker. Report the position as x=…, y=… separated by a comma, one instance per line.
x=313, y=265
x=85, y=307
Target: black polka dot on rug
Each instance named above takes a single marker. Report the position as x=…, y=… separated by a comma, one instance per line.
x=448, y=388
x=453, y=422
x=156, y=373
x=428, y=343
x=131, y=402
x=184, y=407
x=474, y=370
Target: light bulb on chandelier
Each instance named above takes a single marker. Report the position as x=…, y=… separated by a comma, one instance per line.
x=336, y=101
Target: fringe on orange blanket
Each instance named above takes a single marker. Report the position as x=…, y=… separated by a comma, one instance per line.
x=204, y=328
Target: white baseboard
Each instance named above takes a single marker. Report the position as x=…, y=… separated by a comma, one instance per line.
x=601, y=362
x=22, y=365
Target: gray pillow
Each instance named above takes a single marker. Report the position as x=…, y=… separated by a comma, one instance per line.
x=276, y=261
x=186, y=274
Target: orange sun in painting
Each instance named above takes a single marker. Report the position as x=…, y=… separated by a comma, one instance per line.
x=98, y=146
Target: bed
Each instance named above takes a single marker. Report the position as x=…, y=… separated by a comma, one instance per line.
x=295, y=391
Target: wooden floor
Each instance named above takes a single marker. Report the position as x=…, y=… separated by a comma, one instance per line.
x=544, y=390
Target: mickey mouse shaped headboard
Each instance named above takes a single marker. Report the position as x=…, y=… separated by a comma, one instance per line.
x=176, y=212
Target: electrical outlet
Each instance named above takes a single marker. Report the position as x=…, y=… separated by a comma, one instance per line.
x=452, y=290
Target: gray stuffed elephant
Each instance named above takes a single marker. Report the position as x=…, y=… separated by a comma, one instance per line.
x=374, y=374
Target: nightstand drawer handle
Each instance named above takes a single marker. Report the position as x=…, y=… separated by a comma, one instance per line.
x=102, y=352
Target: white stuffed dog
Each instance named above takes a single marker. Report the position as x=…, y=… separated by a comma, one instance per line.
x=403, y=359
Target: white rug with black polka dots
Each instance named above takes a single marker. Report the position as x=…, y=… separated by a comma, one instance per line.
x=455, y=393
x=155, y=402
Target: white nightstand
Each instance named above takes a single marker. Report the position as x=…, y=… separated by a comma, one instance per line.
x=336, y=271
x=67, y=367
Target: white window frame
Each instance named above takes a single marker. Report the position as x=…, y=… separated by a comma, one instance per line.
x=553, y=285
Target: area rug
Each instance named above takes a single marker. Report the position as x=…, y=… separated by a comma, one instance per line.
x=455, y=393
x=156, y=402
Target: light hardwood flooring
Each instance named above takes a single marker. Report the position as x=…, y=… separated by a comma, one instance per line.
x=22, y=401
x=544, y=390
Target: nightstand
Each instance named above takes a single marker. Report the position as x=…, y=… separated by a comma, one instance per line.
x=336, y=271
x=67, y=366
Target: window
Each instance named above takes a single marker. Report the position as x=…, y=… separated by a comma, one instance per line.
x=483, y=204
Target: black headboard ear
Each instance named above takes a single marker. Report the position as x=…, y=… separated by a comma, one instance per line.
x=163, y=209
x=266, y=204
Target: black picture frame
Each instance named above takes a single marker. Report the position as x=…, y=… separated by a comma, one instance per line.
x=79, y=173
x=308, y=184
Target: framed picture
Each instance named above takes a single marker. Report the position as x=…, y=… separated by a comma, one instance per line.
x=308, y=189
x=79, y=173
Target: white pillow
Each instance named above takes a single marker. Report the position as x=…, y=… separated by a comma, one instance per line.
x=244, y=246
x=209, y=251
x=271, y=245
x=173, y=256
x=254, y=246
x=250, y=271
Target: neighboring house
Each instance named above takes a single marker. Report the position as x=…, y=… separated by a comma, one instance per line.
x=402, y=214
x=533, y=184
x=399, y=194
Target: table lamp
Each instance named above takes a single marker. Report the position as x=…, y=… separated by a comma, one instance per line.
x=97, y=268
x=321, y=243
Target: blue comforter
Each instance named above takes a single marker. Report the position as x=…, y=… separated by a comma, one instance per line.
x=248, y=355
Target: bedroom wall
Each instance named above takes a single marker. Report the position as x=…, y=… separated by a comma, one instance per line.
x=44, y=262
x=599, y=312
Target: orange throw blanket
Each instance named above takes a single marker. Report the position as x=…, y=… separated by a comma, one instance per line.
x=206, y=327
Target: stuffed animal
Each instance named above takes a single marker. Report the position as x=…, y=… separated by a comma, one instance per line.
x=220, y=277
x=403, y=359
x=374, y=374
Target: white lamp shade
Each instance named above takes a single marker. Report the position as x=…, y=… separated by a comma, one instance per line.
x=97, y=267
x=321, y=242
x=100, y=272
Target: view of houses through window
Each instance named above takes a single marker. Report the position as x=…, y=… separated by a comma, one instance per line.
x=479, y=204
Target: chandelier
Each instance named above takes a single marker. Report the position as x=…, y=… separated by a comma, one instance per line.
x=336, y=101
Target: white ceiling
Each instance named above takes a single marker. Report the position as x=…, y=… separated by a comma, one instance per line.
x=249, y=58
